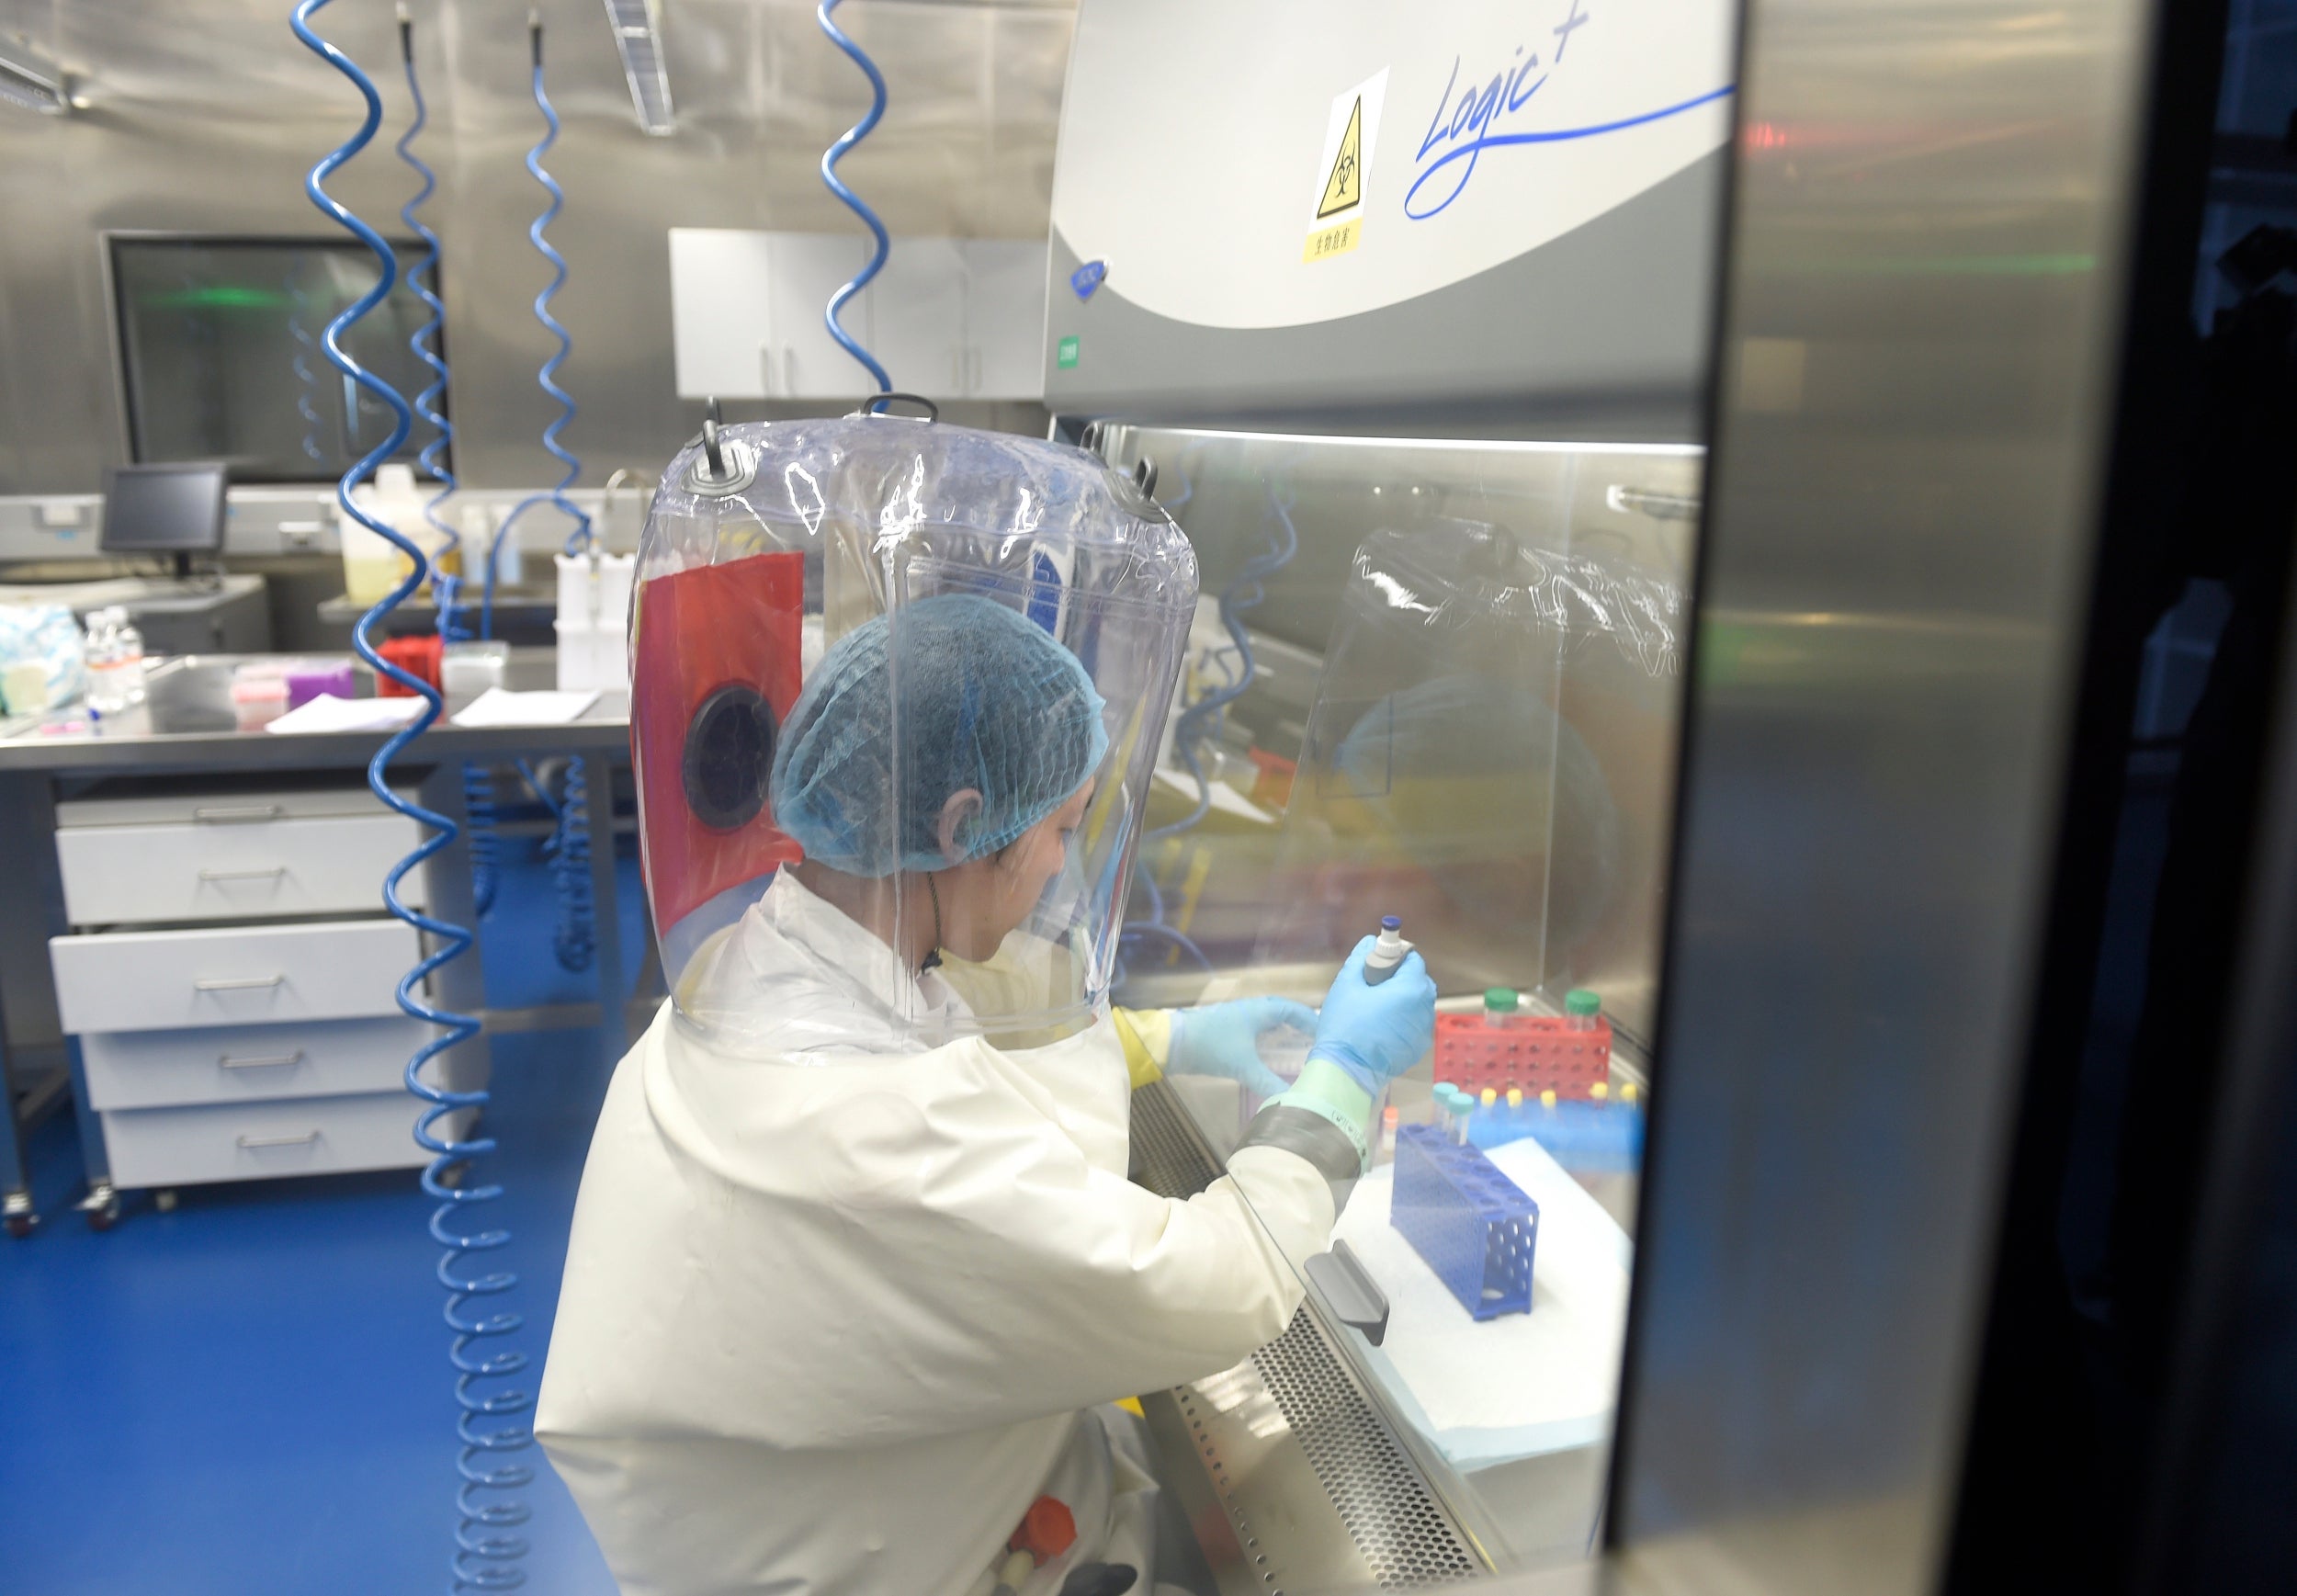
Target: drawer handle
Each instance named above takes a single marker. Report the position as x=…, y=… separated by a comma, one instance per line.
x=238, y=984
x=306, y=1139
x=271, y=875
x=270, y=1061
x=236, y=814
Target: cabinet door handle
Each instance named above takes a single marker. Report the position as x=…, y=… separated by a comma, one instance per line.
x=267, y=1061
x=766, y=368
x=238, y=984
x=1356, y=1298
x=236, y=814
x=271, y=875
x=306, y=1139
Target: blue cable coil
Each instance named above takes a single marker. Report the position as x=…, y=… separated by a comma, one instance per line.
x=854, y=202
x=423, y=278
x=485, y=1557
x=568, y=850
x=578, y=540
x=576, y=938
x=478, y=784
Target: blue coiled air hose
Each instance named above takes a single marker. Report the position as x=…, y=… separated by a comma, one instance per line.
x=478, y=784
x=423, y=278
x=577, y=930
x=579, y=539
x=484, y=1558
x=836, y=185
x=568, y=850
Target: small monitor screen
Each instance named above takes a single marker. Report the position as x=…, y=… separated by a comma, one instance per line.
x=163, y=509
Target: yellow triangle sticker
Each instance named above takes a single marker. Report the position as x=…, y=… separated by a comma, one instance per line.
x=1343, y=189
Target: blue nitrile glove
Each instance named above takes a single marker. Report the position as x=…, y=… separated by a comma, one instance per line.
x=1224, y=1038
x=1374, y=1034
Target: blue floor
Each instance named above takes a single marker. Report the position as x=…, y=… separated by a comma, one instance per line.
x=251, y=1394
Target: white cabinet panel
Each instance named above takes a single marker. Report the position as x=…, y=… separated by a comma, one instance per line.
x=801, y=360
x=127, y=874
x=746, y=313
x=916, y=318
x=719, y=313
x=1005, y=318
x=245, y=1063
x=947, y=318
x=212, y=808
x=149, y=981
x=254, y=1141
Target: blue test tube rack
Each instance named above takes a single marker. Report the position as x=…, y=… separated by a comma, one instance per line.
x=1474, y=1227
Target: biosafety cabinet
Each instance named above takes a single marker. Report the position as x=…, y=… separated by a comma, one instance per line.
x=1648, y=493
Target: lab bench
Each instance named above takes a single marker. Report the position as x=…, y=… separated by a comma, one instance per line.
x=192, y=935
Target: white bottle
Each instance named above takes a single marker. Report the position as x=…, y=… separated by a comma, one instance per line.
x=128, y=658
x=107, y=686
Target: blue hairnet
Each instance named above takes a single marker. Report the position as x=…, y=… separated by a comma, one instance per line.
x=979, y=697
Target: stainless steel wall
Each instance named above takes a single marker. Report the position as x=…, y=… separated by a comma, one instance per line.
x=1921, y=330
x=205, y=115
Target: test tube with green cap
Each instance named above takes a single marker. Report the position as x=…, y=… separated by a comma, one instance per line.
x=1500, y=1005
x=1582, y=1007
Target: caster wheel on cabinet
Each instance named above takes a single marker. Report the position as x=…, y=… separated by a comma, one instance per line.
x=20, y=1225
x=105, y=1217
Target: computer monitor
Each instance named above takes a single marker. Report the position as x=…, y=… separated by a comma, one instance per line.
x=176, y=510
x=219, y=337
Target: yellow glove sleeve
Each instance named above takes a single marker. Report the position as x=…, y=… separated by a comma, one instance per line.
x=1147, y=1037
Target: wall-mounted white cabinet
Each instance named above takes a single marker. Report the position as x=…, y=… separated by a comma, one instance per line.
x=947, y=318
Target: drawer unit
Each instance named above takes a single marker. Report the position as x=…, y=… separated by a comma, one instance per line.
x=230, y=984
x=252, y=975
x=221, y=809
x=245, y=1063
x=197, y=870
x=242, y=1141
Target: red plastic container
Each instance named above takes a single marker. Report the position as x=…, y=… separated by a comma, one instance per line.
x=1531, y=1053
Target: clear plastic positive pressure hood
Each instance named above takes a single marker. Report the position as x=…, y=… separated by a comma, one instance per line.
x=896, y=691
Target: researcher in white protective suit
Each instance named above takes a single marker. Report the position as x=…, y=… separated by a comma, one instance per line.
x=850, y=1286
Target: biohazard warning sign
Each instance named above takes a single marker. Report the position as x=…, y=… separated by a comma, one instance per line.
x=1344, y=173
x=1343, y=190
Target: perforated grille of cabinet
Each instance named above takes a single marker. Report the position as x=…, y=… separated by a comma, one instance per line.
x=1404, y=1537
x=1166, y=1156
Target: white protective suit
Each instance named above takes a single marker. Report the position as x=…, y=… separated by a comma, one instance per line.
x=829, y=1324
